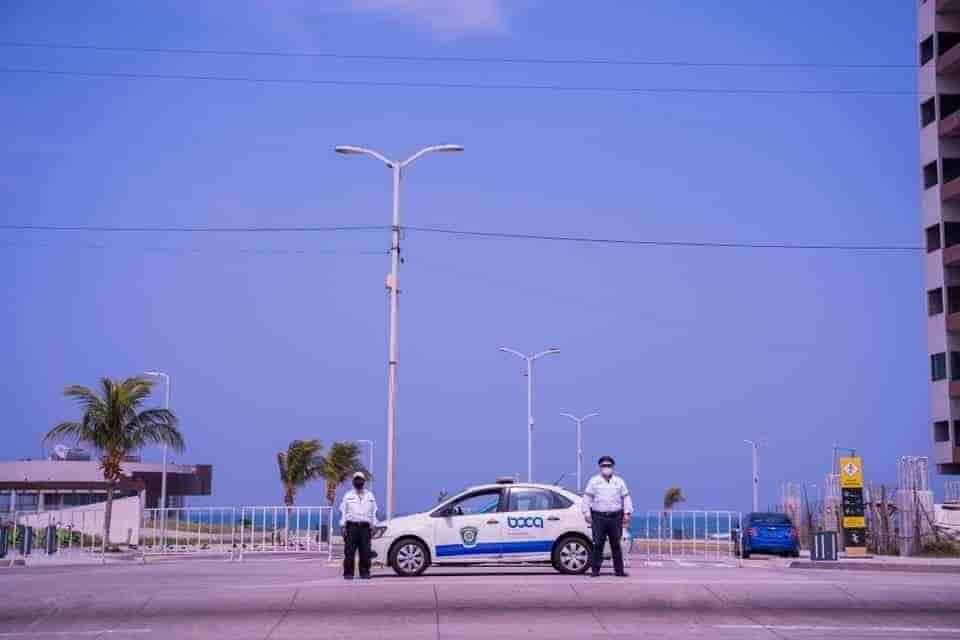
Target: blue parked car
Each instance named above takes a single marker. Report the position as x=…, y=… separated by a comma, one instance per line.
x=770, y=533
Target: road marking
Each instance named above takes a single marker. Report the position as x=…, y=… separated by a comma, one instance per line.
x=824, y=628
x=452, y=580
x=92, y=632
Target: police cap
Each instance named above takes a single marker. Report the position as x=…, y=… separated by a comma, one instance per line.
x=605, y=460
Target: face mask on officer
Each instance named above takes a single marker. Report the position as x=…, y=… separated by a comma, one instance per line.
x=606, y=470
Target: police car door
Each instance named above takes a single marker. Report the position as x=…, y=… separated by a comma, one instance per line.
x=468, y=529
x=531, y=524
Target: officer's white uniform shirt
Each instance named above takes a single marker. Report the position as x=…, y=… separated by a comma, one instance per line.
x=358, y=506
x=603, y=494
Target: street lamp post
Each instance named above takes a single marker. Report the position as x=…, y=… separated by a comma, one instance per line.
x=530, y=360
x=579, y=422
x=755, y=448
x=393, y=286
x=163, y=464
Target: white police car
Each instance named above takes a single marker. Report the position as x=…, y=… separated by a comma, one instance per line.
x=502, y=523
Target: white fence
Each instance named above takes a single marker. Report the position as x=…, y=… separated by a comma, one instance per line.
x=229, y=531
x=237, y=531
x=695, y=535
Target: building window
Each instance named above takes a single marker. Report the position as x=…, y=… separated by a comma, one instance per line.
x=935, y=302
x=941, y=431
x=951, y=169
x=938, y=366
x=951, y=233
x=926, y=50
x=955, y=365
x=930, y=176
x=953, y=299
x=933, y=238
x=928, y=112
x=956, y=433
x=949, y=104
x=946, y=40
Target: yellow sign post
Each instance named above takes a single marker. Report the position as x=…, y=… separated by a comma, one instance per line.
x=851, y=496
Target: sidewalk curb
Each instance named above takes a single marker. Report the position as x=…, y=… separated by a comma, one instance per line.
x=875, y=566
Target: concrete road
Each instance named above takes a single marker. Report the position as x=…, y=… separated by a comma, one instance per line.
x=274, y=599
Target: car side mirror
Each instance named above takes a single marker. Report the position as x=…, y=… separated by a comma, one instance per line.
x=445, y=513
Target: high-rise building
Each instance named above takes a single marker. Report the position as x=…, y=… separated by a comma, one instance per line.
x=938, y=36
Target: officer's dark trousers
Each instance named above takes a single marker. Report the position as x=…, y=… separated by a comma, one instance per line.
x=356, y=538
x=607, y=524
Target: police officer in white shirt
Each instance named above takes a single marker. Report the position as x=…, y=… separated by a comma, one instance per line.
x=358, y=518
x=607, y=507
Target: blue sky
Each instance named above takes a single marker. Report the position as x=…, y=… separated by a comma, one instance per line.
x=271, y=337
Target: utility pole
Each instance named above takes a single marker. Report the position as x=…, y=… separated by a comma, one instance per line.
x=530, y=359
x=393, y=287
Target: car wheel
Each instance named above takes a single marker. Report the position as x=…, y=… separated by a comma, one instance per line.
x=795, y=553
x=409, y=558
x=571, y=555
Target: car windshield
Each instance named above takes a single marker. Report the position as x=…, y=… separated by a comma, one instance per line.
x=769, y=519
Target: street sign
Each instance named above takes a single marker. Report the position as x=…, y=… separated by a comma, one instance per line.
x=851, y=472
x=851, y=503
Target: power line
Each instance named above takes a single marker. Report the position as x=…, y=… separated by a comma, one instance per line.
x=197, y=251
x=503, y=235
x=743, y=91
x=455, y=59
x=668, y=243
x=36, y=227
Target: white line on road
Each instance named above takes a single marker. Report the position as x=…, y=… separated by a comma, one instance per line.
x=91, y=632
x=340, y=583
x=847, y=628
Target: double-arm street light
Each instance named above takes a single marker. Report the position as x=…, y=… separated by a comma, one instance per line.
x=530, y=360
x=163, y=466
x=393, y=286
x=579, y=422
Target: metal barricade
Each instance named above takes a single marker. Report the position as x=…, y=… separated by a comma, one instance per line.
x=687, y=535
x=236, y=531
x=57, y=533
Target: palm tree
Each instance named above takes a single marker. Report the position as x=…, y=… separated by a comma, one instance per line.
x=336, y=467
x=113, y=424
x=672, y=497
x=299, y=465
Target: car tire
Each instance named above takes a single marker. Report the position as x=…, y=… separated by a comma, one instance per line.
x=571, y=555
x=409, y=558
x=795, y=553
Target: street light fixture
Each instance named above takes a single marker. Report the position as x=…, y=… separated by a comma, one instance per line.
x=579, y=422
x=393, y=286
x=530, y=360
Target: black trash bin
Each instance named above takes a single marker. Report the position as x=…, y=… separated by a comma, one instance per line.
x=24, y=540
x=51, y=539
x=823, y=546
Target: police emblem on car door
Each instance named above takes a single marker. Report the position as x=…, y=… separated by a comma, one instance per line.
x=469, y=536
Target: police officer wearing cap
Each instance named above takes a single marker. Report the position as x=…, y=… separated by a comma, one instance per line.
x=358, y=518
x=607, y=507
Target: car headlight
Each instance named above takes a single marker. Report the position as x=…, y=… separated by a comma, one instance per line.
x=379, y=532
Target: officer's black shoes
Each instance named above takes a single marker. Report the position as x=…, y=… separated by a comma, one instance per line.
x=595, y=575
x=348, y=577
x=364, y=577
x=623, y=575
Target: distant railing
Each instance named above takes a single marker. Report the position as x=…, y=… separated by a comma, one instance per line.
x=698, y=535
x=236, y=531
x=76, y=531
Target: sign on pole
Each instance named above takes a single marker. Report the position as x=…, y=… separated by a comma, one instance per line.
x=851, y=500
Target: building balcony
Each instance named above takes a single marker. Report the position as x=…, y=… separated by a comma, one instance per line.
x=949, y=126
x=955, y=388
x=950, y=190
x=949, y=61
x=948, y=6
